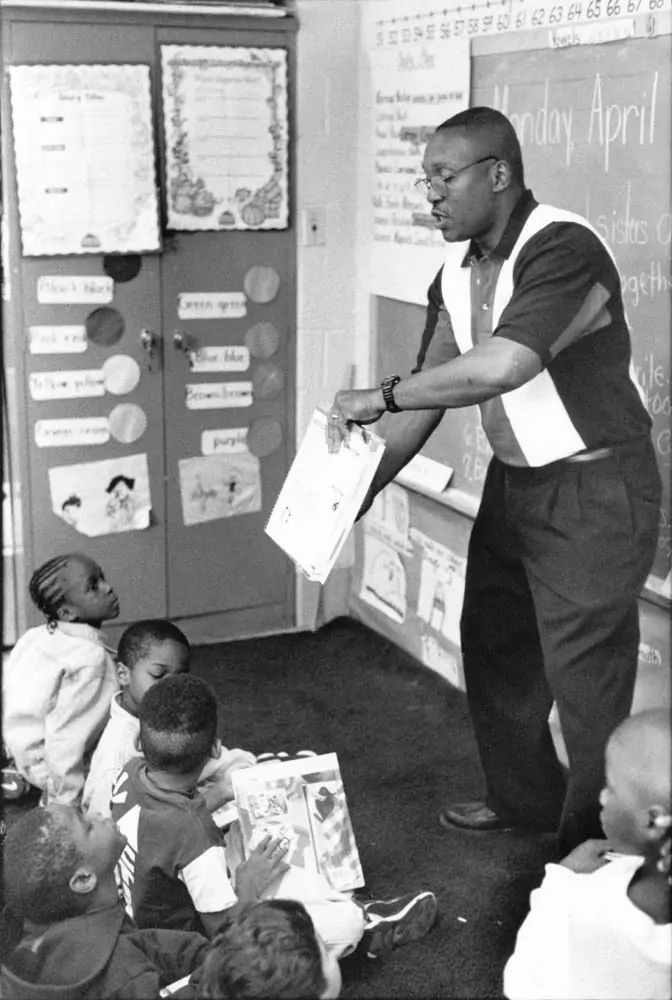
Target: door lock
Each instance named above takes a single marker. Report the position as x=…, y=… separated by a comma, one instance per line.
x=150, y=345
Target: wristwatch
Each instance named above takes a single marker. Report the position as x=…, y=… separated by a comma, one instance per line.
x=387, y=385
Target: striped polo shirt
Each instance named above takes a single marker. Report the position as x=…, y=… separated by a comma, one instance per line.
x=552, y=285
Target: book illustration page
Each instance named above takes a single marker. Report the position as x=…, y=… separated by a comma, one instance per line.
x=337, y=855
x=278, y=808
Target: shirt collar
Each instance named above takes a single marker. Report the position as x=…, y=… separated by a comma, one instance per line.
x=83, y=630
x=519, y=216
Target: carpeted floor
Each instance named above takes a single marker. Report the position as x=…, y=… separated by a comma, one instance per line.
x=405, y=746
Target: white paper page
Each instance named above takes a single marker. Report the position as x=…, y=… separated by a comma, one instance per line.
x=322, y=495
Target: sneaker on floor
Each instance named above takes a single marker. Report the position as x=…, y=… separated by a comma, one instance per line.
x=389, y=923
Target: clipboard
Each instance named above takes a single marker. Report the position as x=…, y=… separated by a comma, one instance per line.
x=321, y=496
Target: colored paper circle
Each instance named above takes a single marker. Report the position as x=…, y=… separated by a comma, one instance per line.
x=122, y=267
x=262, y=340
x=264, y=437
x=104, y=326
x=267, y=381
x=121, y=374
x=128, y=422
x=261, y=283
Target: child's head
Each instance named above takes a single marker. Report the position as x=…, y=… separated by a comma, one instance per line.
x=178, y=724
x=637, y=801
x=73, y=588
x=57, y=864
x=270, y=950
x=149, y=651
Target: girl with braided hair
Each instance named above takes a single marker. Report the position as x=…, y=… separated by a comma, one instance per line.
x=59, y=679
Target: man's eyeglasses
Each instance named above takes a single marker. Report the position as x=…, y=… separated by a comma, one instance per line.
x=440, y=184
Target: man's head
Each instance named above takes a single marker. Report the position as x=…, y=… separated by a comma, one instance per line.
x=57, y=864
x=73, y=588
x=178, y=724
x=270, y=950
x=149, y=651
x=636, y=801
x=474, y=172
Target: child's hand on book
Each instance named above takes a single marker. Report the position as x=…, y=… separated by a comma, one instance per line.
x=265, y=864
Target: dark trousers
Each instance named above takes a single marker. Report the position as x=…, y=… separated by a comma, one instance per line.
x=557, y=559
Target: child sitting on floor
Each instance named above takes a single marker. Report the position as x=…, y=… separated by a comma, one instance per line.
x=174, y=872
x=59, y=679
x=270, y=950
x=601, y=928
x=65, y=932
x=149, y=651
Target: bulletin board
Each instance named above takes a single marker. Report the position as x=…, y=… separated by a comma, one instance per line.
x=594, y=126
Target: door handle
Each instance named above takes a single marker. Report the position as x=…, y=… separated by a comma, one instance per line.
x=183, y=342
x=151, y=346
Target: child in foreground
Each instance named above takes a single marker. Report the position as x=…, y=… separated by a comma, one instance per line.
x=149, y=651
x=65, y=933
x=269, y=950
x=174, y=872
x=601, y=928
x=59, y=679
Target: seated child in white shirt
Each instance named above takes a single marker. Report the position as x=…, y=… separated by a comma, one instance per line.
x=149, y=651
x=59, y=679
x=601, y=928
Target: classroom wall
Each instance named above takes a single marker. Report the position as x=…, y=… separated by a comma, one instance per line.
x=326, y=165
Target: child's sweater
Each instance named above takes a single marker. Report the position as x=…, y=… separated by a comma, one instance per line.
x=57, y=687
x=97, y=956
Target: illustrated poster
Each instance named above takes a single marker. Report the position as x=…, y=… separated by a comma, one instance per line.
x=216, y=486
x=225, y=119
x=84, y=159
x=99, y=498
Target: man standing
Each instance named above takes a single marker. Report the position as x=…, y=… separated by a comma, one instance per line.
x=531, y=326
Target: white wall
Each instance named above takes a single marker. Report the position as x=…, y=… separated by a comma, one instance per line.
x=327, y=179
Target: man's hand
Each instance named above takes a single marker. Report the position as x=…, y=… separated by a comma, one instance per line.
x=352, y=406
x=264, y=865
x=587, y=857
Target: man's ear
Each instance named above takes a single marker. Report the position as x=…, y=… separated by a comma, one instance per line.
x=66, y=613
x=83, y=881
x=216, y=751
x=502, y=176
x=123, y=674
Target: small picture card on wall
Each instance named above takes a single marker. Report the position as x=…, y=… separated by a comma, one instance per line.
x=72, y=431
x=218, y=395
x=67, y=289
x=67, y=384
x=101, y=498
x=211, y=305
x=57, y=339
x=217, y=486
x=220, y=359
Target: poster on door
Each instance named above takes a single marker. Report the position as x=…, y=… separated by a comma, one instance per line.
x=225, y=121
x=101, y=498
x=84, y=150
x=218, y=486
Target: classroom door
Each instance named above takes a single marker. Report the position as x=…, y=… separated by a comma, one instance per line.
x=65, y=333
x=228, y=303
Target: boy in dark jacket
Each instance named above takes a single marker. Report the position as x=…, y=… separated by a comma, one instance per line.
x=65, y=933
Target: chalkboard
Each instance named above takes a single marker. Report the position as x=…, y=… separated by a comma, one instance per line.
x=594, y=125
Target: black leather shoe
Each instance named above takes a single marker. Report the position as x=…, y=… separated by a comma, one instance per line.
x=472, y=816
